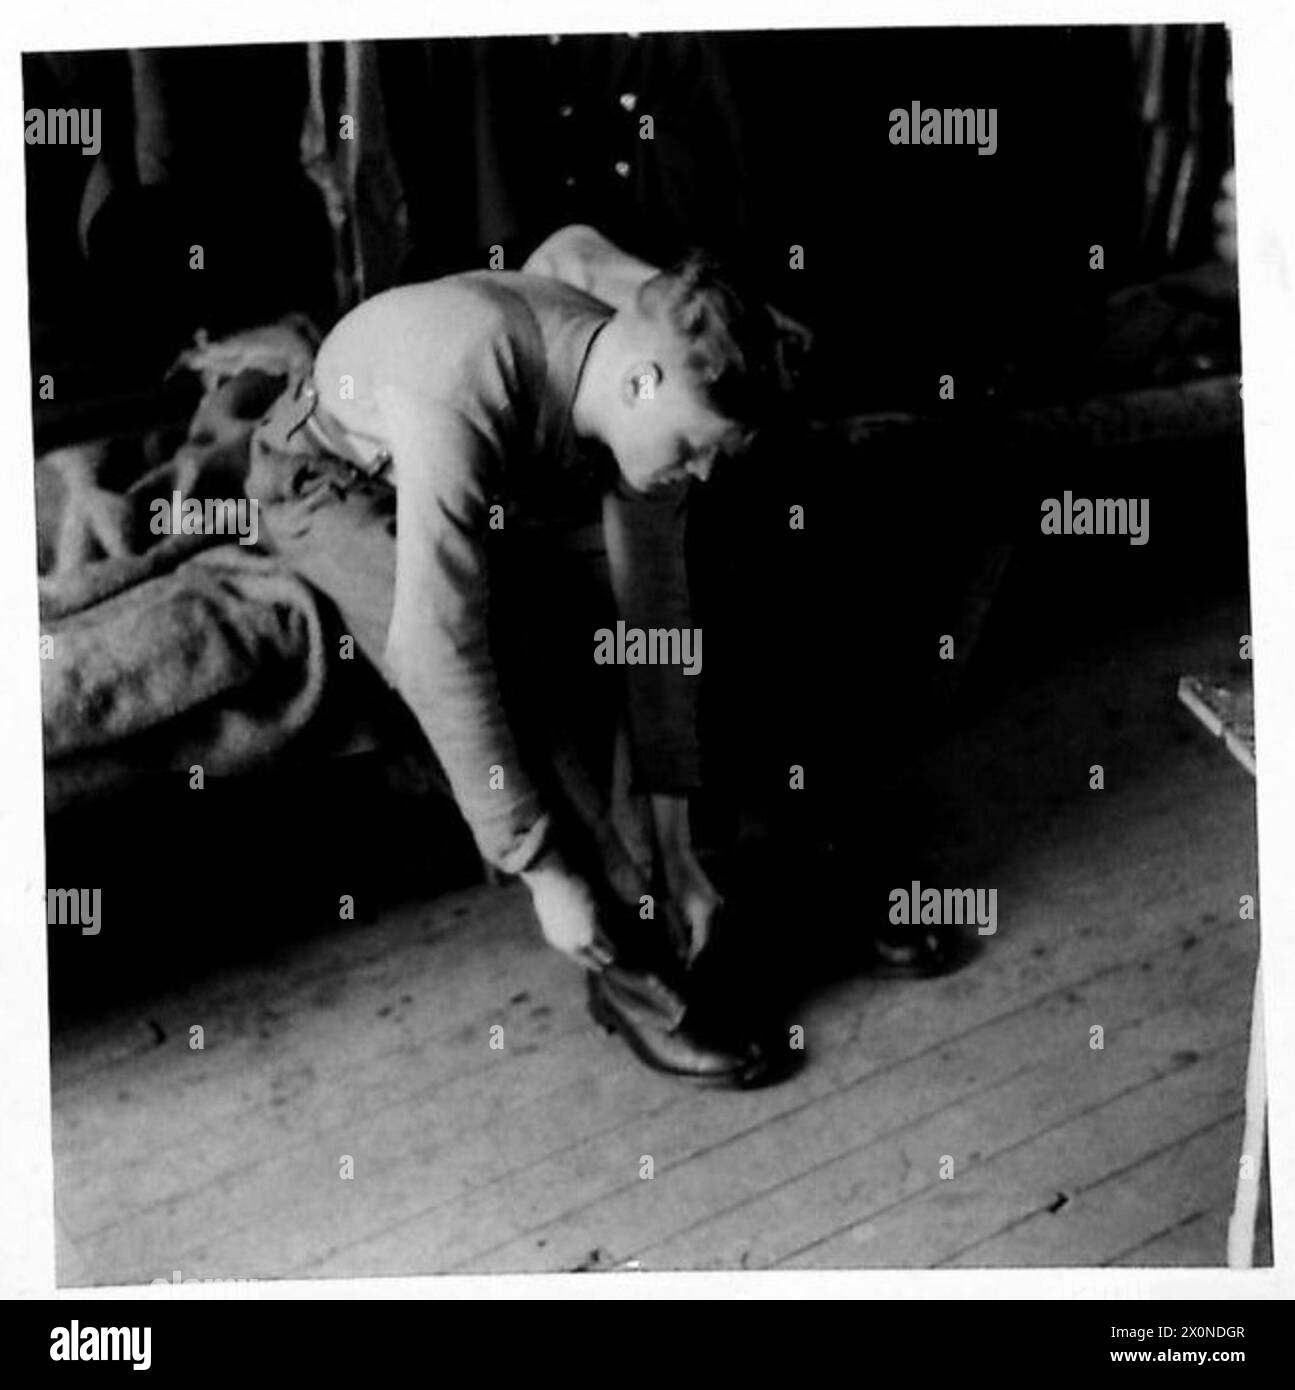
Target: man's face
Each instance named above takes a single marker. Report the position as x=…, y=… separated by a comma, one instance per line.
x=664, y=433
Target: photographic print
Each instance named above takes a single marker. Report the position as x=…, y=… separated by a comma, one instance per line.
x=645, y=654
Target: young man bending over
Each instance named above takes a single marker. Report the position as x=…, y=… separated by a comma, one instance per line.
x=491, y=399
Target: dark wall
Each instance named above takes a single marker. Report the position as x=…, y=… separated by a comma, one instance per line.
x=114, y=291
x=917, y=260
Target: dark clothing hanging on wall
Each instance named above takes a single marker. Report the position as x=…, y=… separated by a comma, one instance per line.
x=760, y=142
x=201, y=150
x=1185, y=139
x=501, y=141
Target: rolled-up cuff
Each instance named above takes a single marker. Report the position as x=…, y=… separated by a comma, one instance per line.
x=522, y=851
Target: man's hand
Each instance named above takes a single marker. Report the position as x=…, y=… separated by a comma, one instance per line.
x=692, y=893
x=567, y=912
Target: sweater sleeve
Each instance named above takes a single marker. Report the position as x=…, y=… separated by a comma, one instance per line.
x=438, y=646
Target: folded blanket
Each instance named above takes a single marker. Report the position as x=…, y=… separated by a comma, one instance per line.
x=170, y=650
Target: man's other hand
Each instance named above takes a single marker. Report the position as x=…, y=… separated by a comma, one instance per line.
x=693, y=895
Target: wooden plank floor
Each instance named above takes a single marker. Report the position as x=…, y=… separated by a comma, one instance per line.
x=1116, y=908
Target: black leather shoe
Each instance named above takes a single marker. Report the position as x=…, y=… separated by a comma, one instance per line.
x=915, y=951
x=657, y=1024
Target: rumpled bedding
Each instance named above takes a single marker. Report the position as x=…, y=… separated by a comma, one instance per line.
x=170, y=651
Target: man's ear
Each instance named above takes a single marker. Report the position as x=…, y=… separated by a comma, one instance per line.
x=641, y=381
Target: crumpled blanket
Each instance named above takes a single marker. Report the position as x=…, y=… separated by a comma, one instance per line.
x=169, y=651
